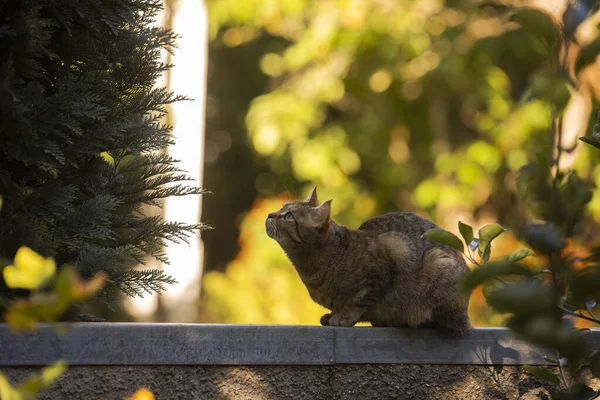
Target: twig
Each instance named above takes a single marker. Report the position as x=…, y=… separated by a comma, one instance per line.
x=562, y=373
x=579, y=315
x=558, y=131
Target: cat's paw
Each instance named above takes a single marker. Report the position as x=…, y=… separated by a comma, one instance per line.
x=325, y=320
x=341, y=320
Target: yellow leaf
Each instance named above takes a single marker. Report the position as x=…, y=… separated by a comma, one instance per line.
x=7, y=392
x=29, y=271
x=71, y=288
x=33, y=385
x=141, y=394
x=23, y=314
x=20, y=318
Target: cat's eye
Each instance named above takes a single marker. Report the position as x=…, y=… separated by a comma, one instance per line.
x=288, y=217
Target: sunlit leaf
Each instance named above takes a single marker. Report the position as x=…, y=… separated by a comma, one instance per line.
x=69, y=288
x=539, y=24
x=24, y=314
x=491, y=270
x=37, y=383
x=30, y=270
x=466, y=232
x=542, y=373
x=486, y=235
x=141, y=394
x=7, y=392
x=543, y=238
x=518, y=255
x=444, y=237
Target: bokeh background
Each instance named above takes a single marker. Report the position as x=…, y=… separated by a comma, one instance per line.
x=385, y=105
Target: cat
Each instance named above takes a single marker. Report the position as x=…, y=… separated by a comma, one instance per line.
x=384, y=272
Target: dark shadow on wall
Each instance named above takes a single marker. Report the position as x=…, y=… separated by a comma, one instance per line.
x=294, y=382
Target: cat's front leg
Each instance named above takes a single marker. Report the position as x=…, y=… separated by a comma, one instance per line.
x=325, y=319
x=337, y=319
x=346, y=317
x=352, y=311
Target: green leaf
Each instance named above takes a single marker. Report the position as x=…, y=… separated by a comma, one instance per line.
x=550, y=360
x=578, y=391
x=542, y=373
x=595, y=363
x=486, y=256
x=444, y=237
x=584, y=285
x=591, y=140
x=522, y=298
x=486, y=235
x=550, y=88
x=539, y=24
x=466, y=232
x=587, y=55
x=547, y=331
x=543, y=238
x=520, y=254
x=594, y=138
x=491, y=270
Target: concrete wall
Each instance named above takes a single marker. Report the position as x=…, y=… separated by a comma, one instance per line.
x=368, y=382
x=193, y=361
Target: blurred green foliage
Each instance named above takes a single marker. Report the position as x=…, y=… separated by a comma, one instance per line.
x=260, y=286
x=428, y=106
x=408, y=104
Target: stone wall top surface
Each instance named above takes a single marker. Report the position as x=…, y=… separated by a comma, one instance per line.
x=208, y=344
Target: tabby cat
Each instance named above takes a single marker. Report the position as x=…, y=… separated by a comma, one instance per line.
x=384, y=272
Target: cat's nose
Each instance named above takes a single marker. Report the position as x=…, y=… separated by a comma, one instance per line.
x=272, y=215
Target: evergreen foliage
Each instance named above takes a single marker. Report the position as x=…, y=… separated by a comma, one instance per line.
x=82, y=137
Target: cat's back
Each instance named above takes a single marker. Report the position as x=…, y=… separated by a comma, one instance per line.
x=408, y=223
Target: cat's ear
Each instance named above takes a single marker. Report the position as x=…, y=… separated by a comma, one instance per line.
x=312, y=199
x=322, y=213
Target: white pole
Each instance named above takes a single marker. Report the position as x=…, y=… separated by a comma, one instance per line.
x=187, y=78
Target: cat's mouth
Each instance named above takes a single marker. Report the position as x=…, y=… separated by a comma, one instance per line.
x=272, y=230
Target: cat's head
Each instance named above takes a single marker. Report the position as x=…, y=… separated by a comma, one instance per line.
x=301, y=223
